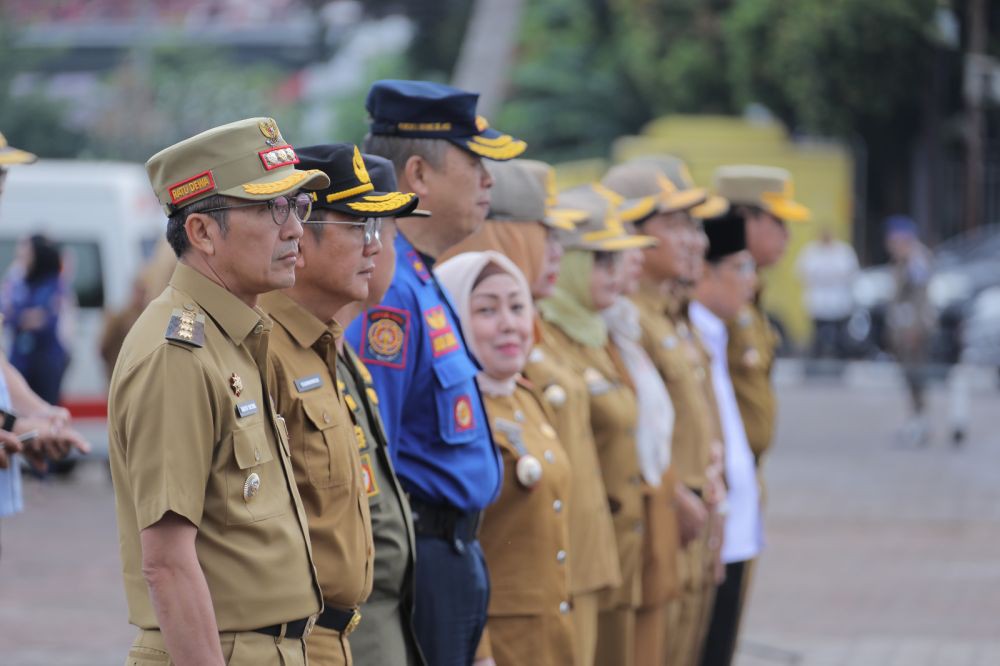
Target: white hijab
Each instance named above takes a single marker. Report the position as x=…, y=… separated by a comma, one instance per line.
x=458, y=275
x=656, y=412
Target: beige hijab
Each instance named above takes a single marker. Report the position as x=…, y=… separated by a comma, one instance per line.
x=522, y=242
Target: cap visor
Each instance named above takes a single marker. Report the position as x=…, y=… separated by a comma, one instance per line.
x=683, y=200
x=564, y=218
x=374, y=204
x=786, y=209
x=714, y=206
x=500, y=149
x=278, y=184
x=10, y=156
x=635, y=210
x=418, y=212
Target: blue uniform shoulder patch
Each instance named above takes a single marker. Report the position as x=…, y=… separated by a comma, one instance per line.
x=385, y=335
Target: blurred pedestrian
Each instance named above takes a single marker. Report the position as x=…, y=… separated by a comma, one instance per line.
x=910, y=319
x=214, y=538
x=430, y=404
x=523, y=224
x=589, y=282
x=33, y=303
x=725, y=288
x=387, y=635
x=525, y=533
x=828, y=267
x=43, y=427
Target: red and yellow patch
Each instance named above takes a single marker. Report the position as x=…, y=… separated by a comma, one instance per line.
x=443, y=338
x=444, y=343
x=386, y=331
x=192, y=187
x=368, y=476
x=464, y=419
x=436, y=318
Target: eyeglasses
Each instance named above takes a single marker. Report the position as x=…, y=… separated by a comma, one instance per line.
x=280, y=207
x=372, y=227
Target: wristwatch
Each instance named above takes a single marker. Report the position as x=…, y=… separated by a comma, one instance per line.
x=9, y=418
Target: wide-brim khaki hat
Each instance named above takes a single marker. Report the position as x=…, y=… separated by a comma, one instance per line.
x=10, y=156
x=247, y=159
x=647, y=177
x=768, y=188
x=603, y=229
x=524, y=191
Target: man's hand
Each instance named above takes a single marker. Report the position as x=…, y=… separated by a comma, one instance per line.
x=8, y=447
x=691, y=514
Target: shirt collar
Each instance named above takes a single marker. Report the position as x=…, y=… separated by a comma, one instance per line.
x=234, y=317
x=711, y=327
x=301, y=324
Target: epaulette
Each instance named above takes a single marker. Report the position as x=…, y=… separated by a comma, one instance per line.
x=186, y=326
x=418, y=265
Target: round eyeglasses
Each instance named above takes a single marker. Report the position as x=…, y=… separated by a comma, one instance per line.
x=372, y=227
x=300, y=205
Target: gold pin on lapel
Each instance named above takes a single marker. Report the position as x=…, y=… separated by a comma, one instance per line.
x=236, y=383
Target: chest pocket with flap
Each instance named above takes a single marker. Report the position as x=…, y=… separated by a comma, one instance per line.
x=253, y=455
x=326, y=442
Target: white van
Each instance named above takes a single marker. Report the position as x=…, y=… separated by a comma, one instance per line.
x=107, y=220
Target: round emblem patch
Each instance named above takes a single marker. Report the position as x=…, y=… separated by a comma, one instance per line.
x=463, y=413
x=385, y=337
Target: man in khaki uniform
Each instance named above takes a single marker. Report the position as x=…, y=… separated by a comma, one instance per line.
x=684, y=367
x=387, y=635
x=337, y=262
x=214, y=542
x=764, y=195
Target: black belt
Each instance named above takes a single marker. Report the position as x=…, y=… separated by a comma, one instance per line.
x=343, y=621
x=445, y=522
x=296, y=629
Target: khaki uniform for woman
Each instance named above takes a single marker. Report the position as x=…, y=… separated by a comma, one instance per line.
x=752, y=344
x=302, y=381
x=591, y=531
x=683, y=364
x=613, y=415
x=525, y=539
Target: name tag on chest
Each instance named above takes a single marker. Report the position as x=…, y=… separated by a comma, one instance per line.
x=245, y=409
x=310, y=383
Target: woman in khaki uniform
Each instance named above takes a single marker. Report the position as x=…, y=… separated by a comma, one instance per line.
x=589, y=282
x=525, y=533
x=522, y=224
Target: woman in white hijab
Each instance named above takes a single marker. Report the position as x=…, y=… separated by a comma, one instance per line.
x=525, y=534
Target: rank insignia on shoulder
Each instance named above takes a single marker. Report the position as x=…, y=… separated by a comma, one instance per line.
x=186, y=326
x=386, y=332
x=371, y=486
x=359, y=434
x=419, y=267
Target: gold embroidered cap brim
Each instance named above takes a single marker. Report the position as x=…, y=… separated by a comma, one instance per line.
x=277, y=184
x=501, y=148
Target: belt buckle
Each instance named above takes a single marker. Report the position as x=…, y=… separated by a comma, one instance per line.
x=353, y=624
x=310, y=623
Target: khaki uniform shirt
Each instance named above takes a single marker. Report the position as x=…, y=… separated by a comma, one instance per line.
x=302, y=379
x=386, y=635
x=590, y=528
x=525, y=539
x=192, y=431
x=613, y=417
x=685, y=371
x=752, y=345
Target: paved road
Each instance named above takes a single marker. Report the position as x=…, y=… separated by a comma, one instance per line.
x=877, y=555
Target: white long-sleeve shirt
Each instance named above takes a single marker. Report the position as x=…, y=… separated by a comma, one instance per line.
x=743, y=536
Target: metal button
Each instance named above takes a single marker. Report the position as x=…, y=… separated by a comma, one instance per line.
x=256, y=455
x=189, y=307
x=549, y=456
x=561, y=556
x=258, y=329
x=518, y=415
x=557, y=506
x=564, y=607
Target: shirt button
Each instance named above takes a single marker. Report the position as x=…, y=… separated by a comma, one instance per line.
x=549, y=456
x=326, y=417
x=258, y=329
x=564, y=607
x=561, y=556
x=518, y=416
x=557, y=506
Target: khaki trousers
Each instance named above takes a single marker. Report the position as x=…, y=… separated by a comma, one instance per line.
x=585, y=613
x=326, y=647
x=690, y=622
x=616, y=637
x=243, y=648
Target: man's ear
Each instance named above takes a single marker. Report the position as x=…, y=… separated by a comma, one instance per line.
x=203, y=232
x=416, y=172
